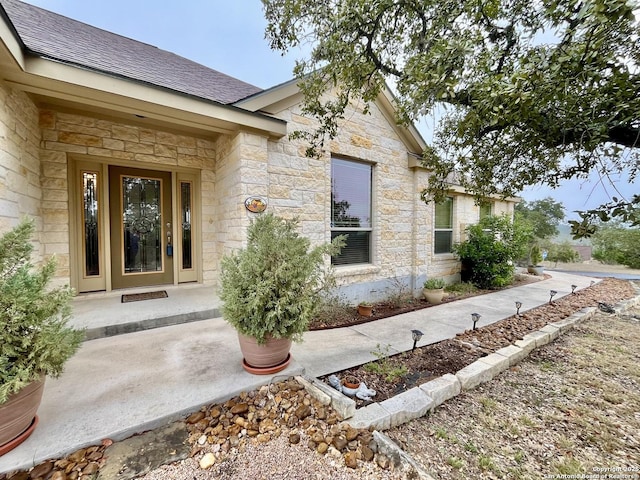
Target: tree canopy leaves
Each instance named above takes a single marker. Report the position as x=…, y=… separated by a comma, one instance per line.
x=544, y=216
x=524, y=92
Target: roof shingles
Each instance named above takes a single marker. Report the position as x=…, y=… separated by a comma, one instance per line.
x=70, y=41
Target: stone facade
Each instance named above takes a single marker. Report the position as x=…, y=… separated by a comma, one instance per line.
x=402, y=223
x=20, y=189
x=38, y=147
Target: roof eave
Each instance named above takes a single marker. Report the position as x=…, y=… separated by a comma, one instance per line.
x=63, y=82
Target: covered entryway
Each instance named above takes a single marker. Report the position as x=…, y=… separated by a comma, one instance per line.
x=132, y=227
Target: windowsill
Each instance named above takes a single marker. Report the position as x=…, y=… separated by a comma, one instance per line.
x=443, y=257
x=359, y=269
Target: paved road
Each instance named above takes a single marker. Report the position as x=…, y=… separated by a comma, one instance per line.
x=622, y=276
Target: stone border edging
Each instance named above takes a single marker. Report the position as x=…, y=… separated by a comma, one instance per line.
x=418, y=401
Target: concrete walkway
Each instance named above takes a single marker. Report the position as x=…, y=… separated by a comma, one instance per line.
x=120, y=385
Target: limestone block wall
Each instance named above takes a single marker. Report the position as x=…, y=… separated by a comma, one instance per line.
x=20, y=190
x=402, y=222
x=302, y=186
x=240, y=172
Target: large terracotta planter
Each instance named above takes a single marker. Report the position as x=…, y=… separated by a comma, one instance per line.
x=265, y=359
x=17, y=414
x=434, y=296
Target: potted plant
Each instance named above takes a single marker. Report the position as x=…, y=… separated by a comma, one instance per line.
x=270, y=290
x=365, y=309
x=535, y=261
x=433, y=290
x=35, y=340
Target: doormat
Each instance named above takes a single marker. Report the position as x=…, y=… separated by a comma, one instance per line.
x=136, y=297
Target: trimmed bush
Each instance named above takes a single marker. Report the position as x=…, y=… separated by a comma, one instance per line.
x=34, y=336
x=271, y=288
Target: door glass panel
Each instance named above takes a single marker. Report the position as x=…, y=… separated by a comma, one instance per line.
x=90, y=217
x=142, y=222
x=185, y=195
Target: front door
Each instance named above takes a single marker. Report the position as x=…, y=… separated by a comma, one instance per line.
x=140, y=213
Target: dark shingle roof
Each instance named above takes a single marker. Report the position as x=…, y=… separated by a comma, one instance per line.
x=55, y=36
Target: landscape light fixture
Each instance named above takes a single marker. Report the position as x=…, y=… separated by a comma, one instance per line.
x=518, y=307
x=416, y=335
x=552, y=294
x=573, y=288
x=475, y=317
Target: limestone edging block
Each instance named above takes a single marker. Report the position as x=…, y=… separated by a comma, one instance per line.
x=442, y=389
x=497, y=361
x=541, y=338
x=527, y=345
x=567, y=323
x=344, y=406
x=514, y=353
x=554, y=332
x=474, y=374
x=411, y=404
x=373, y=415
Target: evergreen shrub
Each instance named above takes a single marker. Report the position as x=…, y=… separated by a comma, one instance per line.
x=272, y=287
x=34, y=336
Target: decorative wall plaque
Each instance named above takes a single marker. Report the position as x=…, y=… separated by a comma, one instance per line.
x=255, y=204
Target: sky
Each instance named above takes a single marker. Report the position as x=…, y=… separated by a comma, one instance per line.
x=228, y=35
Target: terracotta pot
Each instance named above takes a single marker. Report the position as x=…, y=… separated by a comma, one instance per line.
x=433, y=296
x=18, y=412
x=365, y=310
x=273, y=355
x=351, y=382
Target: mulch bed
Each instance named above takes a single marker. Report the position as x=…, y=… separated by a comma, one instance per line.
x=449, y=356
x=381, y=310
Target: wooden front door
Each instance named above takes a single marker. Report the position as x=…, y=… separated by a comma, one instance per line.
x=140, y=214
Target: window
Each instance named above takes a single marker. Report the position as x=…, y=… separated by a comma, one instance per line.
x=91, y=220
x=443, y=235
x=351, y=210
x=486, y=210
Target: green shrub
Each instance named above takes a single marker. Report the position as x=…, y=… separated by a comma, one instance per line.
x=617, y=244
x=489, y=254
x=535, y=256
x=34, y=337
x=271, y=288
x=434, y=284
x=561, y=252
x=461, y=288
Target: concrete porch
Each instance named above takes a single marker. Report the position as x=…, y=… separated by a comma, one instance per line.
x=104, y=315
